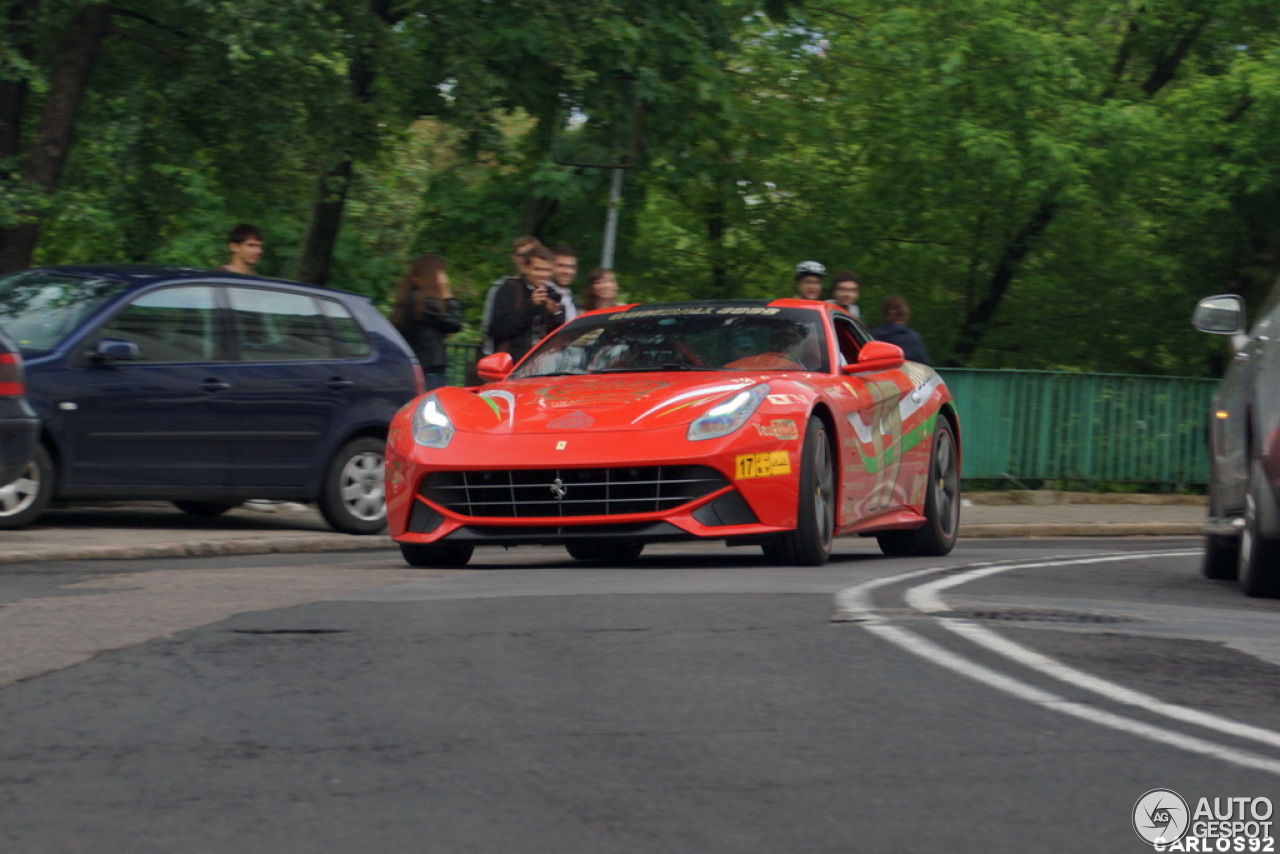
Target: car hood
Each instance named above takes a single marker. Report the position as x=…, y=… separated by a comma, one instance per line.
x=594, y=402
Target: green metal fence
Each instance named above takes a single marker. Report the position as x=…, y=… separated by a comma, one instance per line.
x=1034, y=425
x=1086, y=427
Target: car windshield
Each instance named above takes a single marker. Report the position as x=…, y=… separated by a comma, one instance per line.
x=684, y=338
x=38, y=309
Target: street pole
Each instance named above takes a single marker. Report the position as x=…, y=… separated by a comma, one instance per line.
x=611, y=219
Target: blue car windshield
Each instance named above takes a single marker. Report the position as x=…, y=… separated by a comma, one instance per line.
x=40, y=308
x=684, y=338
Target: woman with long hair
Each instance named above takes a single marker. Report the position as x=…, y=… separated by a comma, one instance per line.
x=602, y=290
x=425, y=311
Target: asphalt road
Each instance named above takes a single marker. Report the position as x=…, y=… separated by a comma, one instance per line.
x=1016, y=696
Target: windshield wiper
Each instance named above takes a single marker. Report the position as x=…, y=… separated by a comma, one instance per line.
x=666, y=366
x=574, y=373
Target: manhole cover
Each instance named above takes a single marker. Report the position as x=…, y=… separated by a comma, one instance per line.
x=1037, y=615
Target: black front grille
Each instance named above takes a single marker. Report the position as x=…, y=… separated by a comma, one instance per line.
x=518, y=493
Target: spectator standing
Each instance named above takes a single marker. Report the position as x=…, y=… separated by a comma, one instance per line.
x=895, y=312
x=425, y=311
x=845, y=290
x=525, y=308
x=519, y=246
x=244, y=249
x=602, y=290
x=809, y=276
x=564, y=269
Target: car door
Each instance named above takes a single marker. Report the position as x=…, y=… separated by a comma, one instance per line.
x=871, y=456
x=153, y=423
x=290, y=384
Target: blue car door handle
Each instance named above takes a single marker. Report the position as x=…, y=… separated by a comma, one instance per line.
x=339, y=383
x=214, y=385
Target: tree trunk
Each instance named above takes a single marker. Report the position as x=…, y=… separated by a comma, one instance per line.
x=315, y=261
x=717, y=225
x=13, y=93
x=68, y=80
x=978, y=319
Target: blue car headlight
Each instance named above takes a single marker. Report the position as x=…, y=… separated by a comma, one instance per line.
x=728, y=415
x=431, y=425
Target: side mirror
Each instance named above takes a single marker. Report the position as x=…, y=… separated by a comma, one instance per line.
x=115, y=350
x=1220, y=315
x=495, y=367
x=876, y=356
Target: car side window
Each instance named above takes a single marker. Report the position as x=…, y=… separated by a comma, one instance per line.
x=350, y=334
x=177, y=324
x=849, y=339
x=279, y=326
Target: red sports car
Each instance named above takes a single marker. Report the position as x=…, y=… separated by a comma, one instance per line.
x=782, y=424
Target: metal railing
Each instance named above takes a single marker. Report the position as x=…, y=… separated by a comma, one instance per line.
x=1052, y=425
x=1083, y=427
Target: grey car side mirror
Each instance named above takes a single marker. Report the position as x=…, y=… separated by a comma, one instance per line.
x=1219, y=315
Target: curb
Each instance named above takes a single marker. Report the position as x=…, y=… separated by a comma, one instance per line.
x=203, y=548
x=1083, y=529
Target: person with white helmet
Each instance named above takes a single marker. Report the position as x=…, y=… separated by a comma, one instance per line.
x=809, y=276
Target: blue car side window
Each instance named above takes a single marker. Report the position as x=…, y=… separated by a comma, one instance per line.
x=176, y=324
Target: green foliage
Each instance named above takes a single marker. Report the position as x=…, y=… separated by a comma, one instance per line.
x=1051, y=185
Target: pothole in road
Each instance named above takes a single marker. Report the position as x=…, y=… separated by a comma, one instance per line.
x=289, y=631
x=1038, y=615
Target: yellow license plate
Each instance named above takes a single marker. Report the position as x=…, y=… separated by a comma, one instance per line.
x=763, y=465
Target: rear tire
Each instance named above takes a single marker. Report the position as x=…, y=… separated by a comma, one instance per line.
x=353, y=499
x=205, y=508
x=604, y=550
x=937, y=536
x=25, y=498
x=810, y=543
x=438, y=556
x=1221, y=557
x=1259, y=555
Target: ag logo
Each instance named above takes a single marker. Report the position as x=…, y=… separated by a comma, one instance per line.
x=1161, y=817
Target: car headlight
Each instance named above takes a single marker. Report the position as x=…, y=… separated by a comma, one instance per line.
x=723, y=418
x=431, y=425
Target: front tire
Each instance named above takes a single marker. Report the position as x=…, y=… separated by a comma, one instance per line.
x=353, y=498
x=1259, y=555
x=23, y=499
x=436, y=556
x=937, y=536
x=810, y=543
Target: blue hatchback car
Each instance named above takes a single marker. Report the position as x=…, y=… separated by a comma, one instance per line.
x=205, y=389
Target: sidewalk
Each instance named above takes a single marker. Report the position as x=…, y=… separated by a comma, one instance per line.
x=128, y=530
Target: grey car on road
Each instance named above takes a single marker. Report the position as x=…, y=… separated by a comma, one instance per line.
x=1242, y=538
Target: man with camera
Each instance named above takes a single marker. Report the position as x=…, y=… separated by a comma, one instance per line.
x=525, y=308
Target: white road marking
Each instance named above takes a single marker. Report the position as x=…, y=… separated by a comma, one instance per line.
x=854, y=604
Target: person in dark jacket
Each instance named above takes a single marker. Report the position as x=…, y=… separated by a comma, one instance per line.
x=525, y=308
x=425, y=311
x=895, y=312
